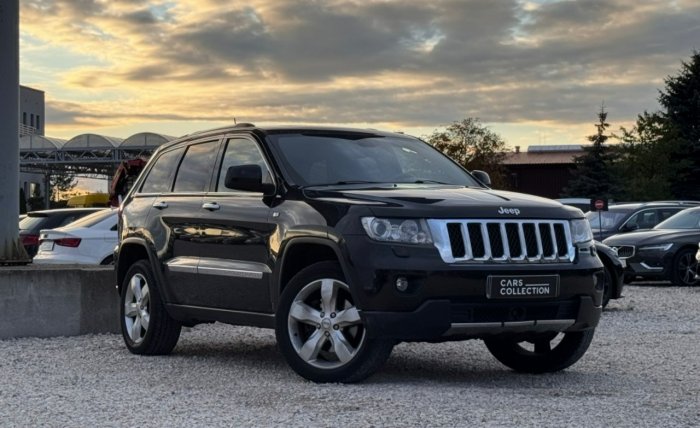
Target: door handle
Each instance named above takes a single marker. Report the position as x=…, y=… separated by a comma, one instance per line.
x=211, y=206
x=160, y=205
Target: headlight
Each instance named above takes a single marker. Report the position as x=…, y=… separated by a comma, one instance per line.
x=406, y=231
x=659, y=247
x=581, y=231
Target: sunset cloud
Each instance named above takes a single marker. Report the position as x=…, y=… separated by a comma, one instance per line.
x=405, y=64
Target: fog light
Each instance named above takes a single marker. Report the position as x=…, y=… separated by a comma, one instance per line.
x=401, y=283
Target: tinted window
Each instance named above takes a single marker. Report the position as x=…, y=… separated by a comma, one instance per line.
x=160, y=176
x=351, y=158
x=643, y=219
x=196, y=168
x=605, y=220
x=241, y=151
x=665, y=213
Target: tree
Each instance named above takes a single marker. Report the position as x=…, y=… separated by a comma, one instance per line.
x=61, y=183
x=594, y=174
x=646, y=163
x=474, y=146
x=681, y=99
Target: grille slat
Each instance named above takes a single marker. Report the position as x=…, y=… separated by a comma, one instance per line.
x=521, y=241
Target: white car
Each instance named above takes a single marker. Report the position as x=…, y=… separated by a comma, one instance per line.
x=88, y=240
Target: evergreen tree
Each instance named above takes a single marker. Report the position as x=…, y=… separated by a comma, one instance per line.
x=474, y=146
x=681, y=99
x=594, y=174
x=646, y=163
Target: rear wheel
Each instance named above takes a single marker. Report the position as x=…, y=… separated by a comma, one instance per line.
x=545, y=352
x=146, y=327
x=685, y=268
x=319, y=329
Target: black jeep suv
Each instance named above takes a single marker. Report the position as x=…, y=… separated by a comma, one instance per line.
x=347, y=242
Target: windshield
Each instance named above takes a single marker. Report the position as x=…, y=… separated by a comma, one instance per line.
x=605, y=220
x=313, y=160
x=687, y=219
x=91, y=219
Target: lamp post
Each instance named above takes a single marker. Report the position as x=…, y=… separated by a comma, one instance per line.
x=11, y=251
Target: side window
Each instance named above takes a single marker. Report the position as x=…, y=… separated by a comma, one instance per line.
x=644, y=219
x=665, y=213
x=241, y=151
x=160, y=176
x=196, y=167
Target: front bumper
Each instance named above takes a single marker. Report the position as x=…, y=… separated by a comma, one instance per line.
x=438, y=320
x=444, y=301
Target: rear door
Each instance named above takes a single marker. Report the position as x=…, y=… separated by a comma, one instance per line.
x=175, y=219
x=235, y=261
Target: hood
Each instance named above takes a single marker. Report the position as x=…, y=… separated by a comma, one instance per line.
x=446, y=202
x=653, y=236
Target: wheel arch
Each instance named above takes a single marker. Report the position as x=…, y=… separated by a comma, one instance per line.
x=301, y=252
x=130, y=251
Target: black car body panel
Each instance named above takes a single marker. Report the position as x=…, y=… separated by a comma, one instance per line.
x=226, y=255
x=611, y=260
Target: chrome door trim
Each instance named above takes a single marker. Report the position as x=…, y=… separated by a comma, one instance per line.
x=219, y=267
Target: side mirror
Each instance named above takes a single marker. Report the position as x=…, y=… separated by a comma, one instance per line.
x=482, y=176
x=247, y=178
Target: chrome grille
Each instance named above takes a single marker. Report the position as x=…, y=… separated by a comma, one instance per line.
x=624, y=251
x=514, y=241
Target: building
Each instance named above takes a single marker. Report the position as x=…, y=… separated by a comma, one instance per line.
x=32, y=121
x=31, y=111
x=542, y=170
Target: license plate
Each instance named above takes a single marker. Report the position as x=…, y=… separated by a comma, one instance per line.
x=46, y=246
x=522, y=286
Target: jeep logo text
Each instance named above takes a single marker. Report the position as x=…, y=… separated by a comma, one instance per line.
x=513, y=211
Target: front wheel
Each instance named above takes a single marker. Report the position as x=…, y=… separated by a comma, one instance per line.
x=545, y=352
x=146, y=326
x=319, y=329
x=685, y=268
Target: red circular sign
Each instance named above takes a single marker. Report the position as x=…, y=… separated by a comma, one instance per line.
x=599, y=204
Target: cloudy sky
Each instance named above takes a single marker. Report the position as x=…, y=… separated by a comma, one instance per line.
x=535, y=71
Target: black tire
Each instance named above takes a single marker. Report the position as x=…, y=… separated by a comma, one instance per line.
x=684, y=268
x=608, y=286
x=316, y=333
x=161, y=333
x=566, y=352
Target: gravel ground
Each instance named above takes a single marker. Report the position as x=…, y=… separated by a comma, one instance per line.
x=643, y=369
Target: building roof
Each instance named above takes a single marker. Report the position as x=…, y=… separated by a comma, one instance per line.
x=545, y=155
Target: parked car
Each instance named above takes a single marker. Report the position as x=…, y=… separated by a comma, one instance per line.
x=89, y=240
x=629, y=217
x=614, y=272
x=31, y=225
x=665, y=252
x=346, y=242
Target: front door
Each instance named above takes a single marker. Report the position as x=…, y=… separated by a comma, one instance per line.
x=235, y=262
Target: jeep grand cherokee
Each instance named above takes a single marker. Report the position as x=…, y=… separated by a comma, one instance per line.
x=347, y=242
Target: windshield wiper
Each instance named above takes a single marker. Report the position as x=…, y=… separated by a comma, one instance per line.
x=345, y=182
x=428, y=181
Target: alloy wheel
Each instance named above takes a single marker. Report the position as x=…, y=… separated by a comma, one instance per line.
x=688, y=269
x=137, y=308
x=324, y=325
